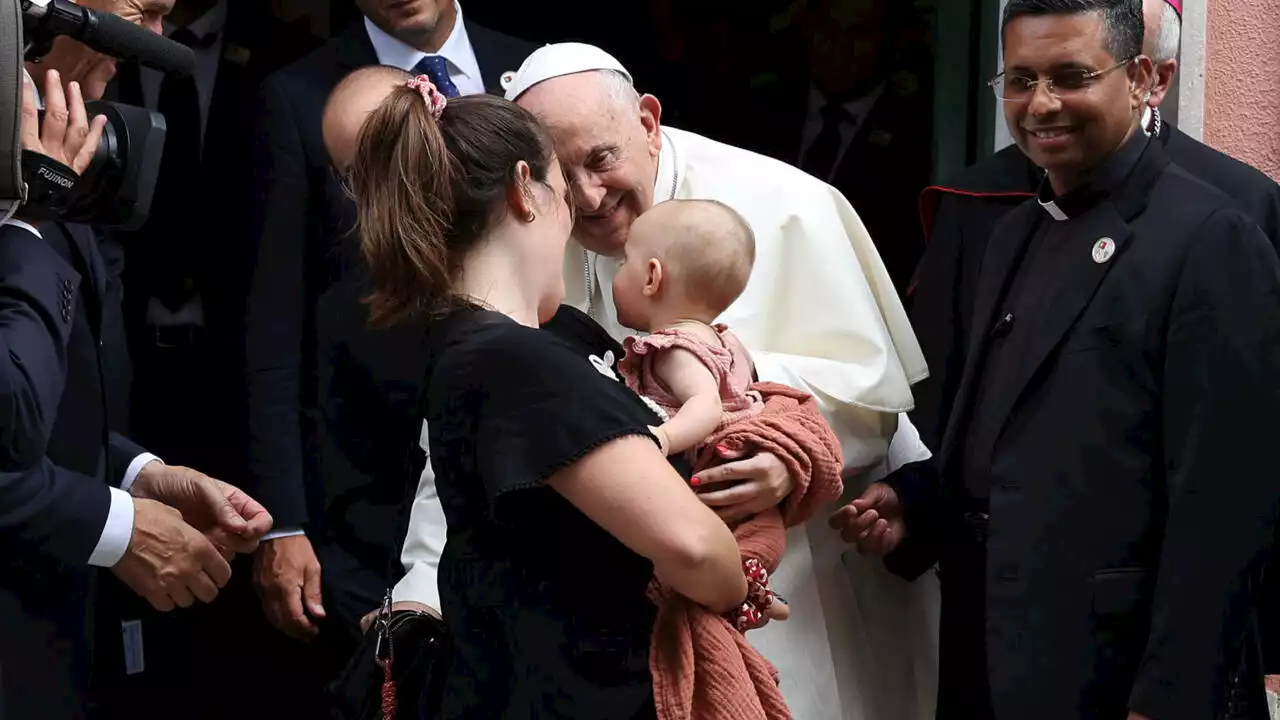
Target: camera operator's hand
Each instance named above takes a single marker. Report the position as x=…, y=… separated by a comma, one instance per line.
x=67, y=134
x=169, y=562
x=79, y=62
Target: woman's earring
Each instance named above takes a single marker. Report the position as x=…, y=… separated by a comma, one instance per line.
x=529, y=216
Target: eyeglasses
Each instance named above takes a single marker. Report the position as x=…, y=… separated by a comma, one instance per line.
x=1064, y=83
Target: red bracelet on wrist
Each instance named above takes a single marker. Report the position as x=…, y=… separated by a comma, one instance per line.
x=751, y=614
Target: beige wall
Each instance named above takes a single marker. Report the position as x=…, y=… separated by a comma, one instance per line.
x=1242, y=81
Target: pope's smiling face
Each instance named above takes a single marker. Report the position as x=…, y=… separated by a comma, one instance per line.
x=608, y=141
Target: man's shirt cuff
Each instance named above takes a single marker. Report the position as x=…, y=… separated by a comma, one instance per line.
x=117, y=532
x=283, y=533
x=135, y=467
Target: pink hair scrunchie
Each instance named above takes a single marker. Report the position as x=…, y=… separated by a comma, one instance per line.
x=430, y=94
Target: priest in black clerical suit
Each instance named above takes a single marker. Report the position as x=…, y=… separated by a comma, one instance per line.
x=1102, y=499
x=958, y=217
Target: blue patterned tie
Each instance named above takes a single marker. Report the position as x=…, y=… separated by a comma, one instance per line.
x=437, y=69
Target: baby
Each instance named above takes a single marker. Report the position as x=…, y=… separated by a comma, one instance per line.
x=685, y=263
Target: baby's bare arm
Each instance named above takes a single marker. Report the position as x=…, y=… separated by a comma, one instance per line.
x=699, y=395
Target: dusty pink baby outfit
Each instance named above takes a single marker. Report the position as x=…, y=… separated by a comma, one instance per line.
x=728, y=362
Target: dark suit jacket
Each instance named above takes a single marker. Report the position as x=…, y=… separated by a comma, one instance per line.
x=882, y=172
x=320, y=443
x=53, y=510
x=212, y=248
x=1131, y=488
x=958, y=219
x=36, y=291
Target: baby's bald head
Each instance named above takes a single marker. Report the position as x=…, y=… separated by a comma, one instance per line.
x=351, y=101
x=708, y=249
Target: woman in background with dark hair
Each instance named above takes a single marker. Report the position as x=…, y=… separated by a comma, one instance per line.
x=560, y=505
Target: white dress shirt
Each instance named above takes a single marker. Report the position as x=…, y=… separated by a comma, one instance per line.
x=464, y=69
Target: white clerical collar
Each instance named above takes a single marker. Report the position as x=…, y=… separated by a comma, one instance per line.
x=1099, y=182
x=210, y=23
x=456, y=49
x=669, y=171
x=1054, y=211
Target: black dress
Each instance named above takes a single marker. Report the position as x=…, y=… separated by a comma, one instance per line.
x=548, y=611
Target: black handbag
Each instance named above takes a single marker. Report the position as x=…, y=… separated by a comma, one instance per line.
x=400, y=668
x=398, y=671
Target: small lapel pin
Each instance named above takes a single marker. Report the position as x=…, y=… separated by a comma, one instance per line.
x=880, y=138
x=1103, y=250
x=237, y=54
x=506, y=79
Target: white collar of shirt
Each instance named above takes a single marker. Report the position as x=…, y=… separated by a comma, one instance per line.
x=213, y=21
x=464, y=69
x=206, y=68
x=1146, y=120
x=858, y=110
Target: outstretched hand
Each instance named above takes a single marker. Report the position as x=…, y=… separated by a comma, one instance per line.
x=872, y=522
x=233, y=521
x=168, y=562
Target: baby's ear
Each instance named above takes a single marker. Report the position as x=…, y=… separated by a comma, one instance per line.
x=654, y=274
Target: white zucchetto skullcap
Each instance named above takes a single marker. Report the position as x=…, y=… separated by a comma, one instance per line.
x=551, y=61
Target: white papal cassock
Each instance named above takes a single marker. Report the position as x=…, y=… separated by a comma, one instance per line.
x=819, y=313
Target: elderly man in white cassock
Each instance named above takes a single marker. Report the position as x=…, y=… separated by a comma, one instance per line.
x=819, y=313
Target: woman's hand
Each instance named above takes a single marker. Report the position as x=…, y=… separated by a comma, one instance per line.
x=743, y=487
x=367, y=621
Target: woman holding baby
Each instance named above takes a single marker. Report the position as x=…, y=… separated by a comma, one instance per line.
x=570, y=534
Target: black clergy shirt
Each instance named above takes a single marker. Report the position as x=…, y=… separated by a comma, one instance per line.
x=1028, y=291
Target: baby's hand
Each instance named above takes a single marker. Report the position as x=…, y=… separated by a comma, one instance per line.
x=664, y=443
x=778, y=609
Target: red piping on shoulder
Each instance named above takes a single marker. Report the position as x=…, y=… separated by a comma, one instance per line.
x=928, y=205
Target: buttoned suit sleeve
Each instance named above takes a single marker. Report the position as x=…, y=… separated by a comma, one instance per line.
x=935, y=306
x=276, y=312
x=43, y=508
x=1218, y=406
x=37, y=301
